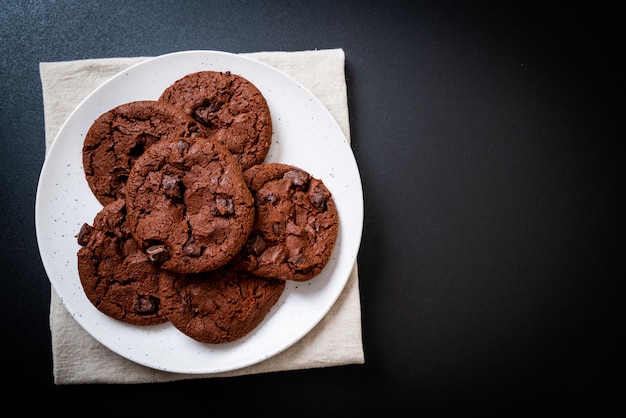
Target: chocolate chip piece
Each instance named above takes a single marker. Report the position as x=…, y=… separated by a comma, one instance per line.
x=298, y=179
x=312, y=226
x=297, y=260
x=84, y=235
x=183, y=146
x=318, y=199
x=145, y=305
x=224, y=206
x=170, y=186
x=256, y=245
x=271, y=197
x=191, y=248
x=157, y=253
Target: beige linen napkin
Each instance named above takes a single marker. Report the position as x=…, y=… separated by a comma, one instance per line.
x=336, y=340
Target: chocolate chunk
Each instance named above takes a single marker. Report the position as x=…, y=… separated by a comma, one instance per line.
x=84, y=234
x=157, y=253
x=312, y=226
x=183, y=146
x=256, y=245
x=224, y=206
x=145, y=305
x=170, y=186
x=297, y=260
x=191, y=248
x=318, y=199
x=271, y=197
x=299, y=179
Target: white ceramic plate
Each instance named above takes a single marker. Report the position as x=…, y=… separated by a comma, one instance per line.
x=305, y=135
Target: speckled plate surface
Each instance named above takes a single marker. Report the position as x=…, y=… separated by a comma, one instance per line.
x=305, y=135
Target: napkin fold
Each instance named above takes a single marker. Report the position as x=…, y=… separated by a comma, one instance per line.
x=337, y=340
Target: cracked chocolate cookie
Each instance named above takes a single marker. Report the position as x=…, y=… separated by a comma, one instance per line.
x=230, y=107
x=295, y=227
x=117, y=137
x=117, y=277
x=219, y=306
x=188, y=205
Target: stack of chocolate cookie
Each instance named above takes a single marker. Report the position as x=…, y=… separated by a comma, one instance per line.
x=196, y=228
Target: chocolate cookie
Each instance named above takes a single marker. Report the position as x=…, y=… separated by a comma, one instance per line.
x=188, y=205
x=219, y=306
x=295, y=227
x=120, y=135
x=117, y=277
x=231, y=107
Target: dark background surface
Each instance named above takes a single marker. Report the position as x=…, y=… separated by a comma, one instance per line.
x=487, y=137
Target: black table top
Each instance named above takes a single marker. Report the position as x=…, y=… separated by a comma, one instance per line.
x=486, y=135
